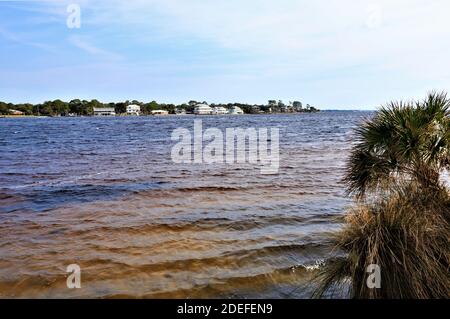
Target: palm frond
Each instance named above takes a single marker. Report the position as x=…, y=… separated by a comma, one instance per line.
x=403, y=137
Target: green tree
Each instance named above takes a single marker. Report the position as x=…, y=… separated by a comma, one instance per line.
x=76, y=107
x=60, y=108
x=4, y=108
x=86, y=108
x=37, y=109
x=136, y=102
x=56, y=107
x=89, y=108
x=149, y=107
x=26, y=108
x=190, y=108
x=46, y=108
x=121, y=107
x=170, y=108
x=405, y=140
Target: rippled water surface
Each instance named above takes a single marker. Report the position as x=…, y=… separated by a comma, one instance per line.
x=103, y=193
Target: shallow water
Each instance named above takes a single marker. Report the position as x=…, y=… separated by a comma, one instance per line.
x=104, y=193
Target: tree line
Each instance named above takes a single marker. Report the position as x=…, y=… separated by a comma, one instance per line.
x=86, y=108
x=79, y=107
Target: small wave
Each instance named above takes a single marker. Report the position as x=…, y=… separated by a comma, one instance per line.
x=209, y=189
x=204, y=224
x=281, y=282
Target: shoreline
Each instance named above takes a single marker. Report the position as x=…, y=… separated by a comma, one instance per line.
x=167, y=115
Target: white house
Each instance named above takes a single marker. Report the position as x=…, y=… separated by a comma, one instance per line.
x=15, y=112
x=235, y=110
x=203, y=109
x=133, y=109
x=219, y=110
x=160, y=112
x=180, y=111
x=104, y=111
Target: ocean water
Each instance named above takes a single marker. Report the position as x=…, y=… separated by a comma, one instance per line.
x=104, y=193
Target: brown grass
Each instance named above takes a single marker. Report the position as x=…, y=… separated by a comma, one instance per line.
x=406, y=232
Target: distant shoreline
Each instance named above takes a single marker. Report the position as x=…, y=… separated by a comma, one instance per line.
x=140, y=116
x=137, y=116
x=177, y=115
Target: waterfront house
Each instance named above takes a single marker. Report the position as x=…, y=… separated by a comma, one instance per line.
x=255, y=109
x=203, y=109
x=235, y=110
x=180, y=111
x=133, y=109
x=104, y=111
x=284, y=108
x=16, y=112
x=219, y=110
x=160, y=112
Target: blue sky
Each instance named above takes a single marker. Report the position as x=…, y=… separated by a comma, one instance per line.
x=334, y=54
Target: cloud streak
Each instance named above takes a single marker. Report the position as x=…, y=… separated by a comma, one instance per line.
x=16, y=38
x=84, y=44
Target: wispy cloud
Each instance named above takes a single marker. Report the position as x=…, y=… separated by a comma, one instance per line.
x=84, y=44
x=16, y=38
x=331, y=52
x=313, y=34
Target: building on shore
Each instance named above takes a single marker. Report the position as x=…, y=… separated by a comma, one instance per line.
x=273, y=103
x=16, y=112
x=287, y=108
x=104, y=111
x=255, y=109
x=235, y=110
x=133, y=109
x=160, y=112
x=219, y=110
x=180, y=111
x=203, y=109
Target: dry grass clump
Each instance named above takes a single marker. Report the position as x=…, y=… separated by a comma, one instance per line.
x=407, y=234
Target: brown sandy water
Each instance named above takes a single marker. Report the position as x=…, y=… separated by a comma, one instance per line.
x=104, y=194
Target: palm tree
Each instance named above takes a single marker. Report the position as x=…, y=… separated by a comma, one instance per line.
x=403, y=140
x=397, y=160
